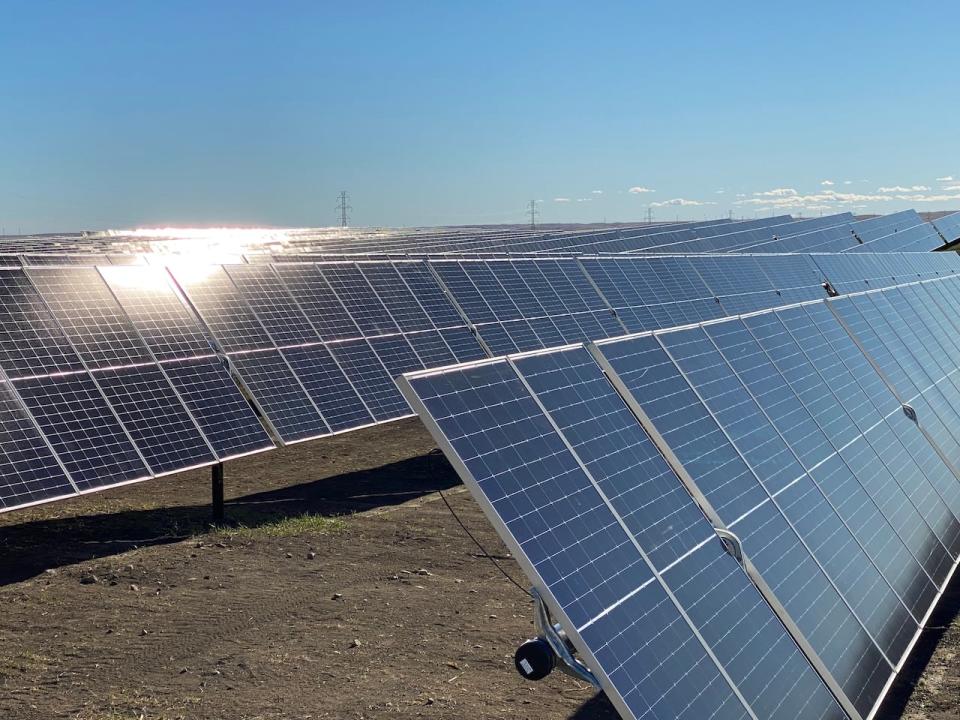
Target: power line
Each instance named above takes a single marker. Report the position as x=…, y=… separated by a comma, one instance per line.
x=533, y=212
x=343, y=205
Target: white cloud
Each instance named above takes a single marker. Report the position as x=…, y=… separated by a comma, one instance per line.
x=901, y=189
x=680, y=202
x=741, y=195
x=777, y=192
x=951, y=188
x=597, y=192
x=945, y=178
x=638, y=190
x=929, y=198
x=584, y=199
x=826, y=183
x=848, y=182
x=719, y=192
x=561, y=200
x=786, y=199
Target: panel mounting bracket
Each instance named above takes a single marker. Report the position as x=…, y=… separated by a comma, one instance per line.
x=731, y=544
x=536, y=658
x=910, y=412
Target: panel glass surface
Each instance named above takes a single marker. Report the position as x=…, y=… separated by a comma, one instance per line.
x=147, y=297
x=370, y=378
x=29, y=472
x=221, y=411
x=328, y=387
x=276, y=389
x=318, y=301
x=85, y=434
x=155, y=418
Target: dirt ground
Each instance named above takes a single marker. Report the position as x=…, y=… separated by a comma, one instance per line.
x=126, y=605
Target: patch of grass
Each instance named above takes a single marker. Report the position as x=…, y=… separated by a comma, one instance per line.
x=288, y=527
x=24, y=661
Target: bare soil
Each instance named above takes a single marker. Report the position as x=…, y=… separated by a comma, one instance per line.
x=127, y=604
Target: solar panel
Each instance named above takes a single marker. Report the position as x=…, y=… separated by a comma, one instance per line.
x=31, y=342
x=431, y=348
x=396, y=354
x=280, y=394
x=424, y=286
x=29, y=472
x=552, y=480
x=461, y=288
x=90, y=316
x=222, y=307
x=597, y=567
x=276, y=310
x=393, y=292
x=358, y=297
x=659, y=513
x=154, y=416
x=162, y=320
x=647, y=375
x=328, y=387
x=82, y=429
x=221, y=412
x=494, y=294
x=463, y=344
x=319, y=303
x=372, y=381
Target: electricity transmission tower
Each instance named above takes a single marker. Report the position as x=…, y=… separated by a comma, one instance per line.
x=533, y=212
x=343, y=206
x=649, y=215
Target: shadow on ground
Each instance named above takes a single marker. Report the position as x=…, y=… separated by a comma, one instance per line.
x=28, y=549
x=596, y=708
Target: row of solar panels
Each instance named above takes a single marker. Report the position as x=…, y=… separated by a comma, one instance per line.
x=825, y=436
x=119, y=373
x=904, y=232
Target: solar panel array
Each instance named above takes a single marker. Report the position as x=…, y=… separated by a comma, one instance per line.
x=129, y=372
x=833, y=233
x=821, y=434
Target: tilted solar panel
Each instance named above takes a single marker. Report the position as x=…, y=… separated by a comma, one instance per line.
x=29, y=471
x=558, y=462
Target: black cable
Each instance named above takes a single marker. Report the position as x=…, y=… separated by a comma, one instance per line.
x=482, y=549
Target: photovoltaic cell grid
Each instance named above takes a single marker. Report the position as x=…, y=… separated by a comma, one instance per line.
x=789, y=425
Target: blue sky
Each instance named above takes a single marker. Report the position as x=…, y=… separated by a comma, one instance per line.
x=123, y=114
